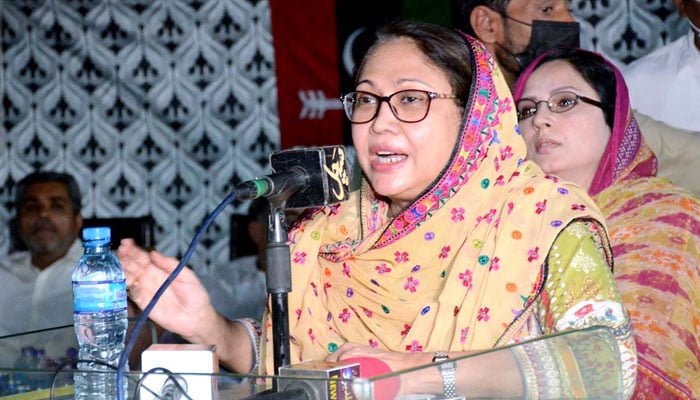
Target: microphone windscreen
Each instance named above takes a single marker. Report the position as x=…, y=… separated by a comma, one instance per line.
x=370, y=367
x=328, y=171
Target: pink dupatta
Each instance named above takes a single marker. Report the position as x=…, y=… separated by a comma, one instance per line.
x=654, y=229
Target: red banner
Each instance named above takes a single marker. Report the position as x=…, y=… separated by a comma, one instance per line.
x=306, y=57
x=317, y=44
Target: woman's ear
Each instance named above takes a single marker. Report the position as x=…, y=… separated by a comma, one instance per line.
x=487, y=24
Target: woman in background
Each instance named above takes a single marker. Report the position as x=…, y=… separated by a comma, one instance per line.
x=575, y=117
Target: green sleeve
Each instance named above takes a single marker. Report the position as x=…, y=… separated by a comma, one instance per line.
x=580, y=292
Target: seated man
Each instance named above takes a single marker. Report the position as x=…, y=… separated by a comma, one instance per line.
x=35, y=285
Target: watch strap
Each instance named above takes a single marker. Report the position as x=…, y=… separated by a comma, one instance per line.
x=447, y=370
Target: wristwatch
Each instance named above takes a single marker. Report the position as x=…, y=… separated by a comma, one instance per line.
x=447, y=370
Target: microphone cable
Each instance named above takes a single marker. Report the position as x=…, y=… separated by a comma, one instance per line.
x=71, y=366
x=123, y=360
x=172, y=388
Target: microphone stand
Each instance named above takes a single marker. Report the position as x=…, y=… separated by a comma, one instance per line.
x=278, y=275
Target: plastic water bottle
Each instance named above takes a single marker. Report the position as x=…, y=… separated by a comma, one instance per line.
x=21, y=382
x=5, y=384
x=99, y=316
x=44, y=363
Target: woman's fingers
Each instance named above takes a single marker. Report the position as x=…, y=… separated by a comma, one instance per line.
x=164, y=263
x=132, y=258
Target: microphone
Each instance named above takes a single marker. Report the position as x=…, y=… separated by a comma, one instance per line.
x=334, y=382
x=306, y=177
x=324, y=380
x=333, y=386
x=385, y=388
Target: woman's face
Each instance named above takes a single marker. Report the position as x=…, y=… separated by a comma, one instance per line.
x=568, y=144
x=401, y=159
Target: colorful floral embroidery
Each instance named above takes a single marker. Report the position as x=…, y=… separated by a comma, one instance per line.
x=466, y=278
x=483, y=314
x=411, y=284
x=445, y=252
x=458, y=214
x=344, y=315
x=506, y=153
x=540, y=206
x=401, y=256
x=414, y=347
x=382, y=268
x=299, y=257
x=533, y=254
x=487, y=217
x=463, y=335
x=495, y=266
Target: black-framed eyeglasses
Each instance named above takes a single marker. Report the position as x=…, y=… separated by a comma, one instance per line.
x=410, y=105
x=557, y=103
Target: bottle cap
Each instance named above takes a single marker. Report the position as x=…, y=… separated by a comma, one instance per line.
x=97, y=235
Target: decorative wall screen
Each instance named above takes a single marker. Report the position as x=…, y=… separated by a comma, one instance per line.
x=158, y=107
x=625, y=30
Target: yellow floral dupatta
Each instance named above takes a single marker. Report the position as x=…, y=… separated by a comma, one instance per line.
x=456, y=268
x=654, y=229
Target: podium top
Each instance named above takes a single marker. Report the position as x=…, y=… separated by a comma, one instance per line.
x=585, y=363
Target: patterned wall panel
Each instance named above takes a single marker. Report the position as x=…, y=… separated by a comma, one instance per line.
x=159, y=106
x=156, y=107
x=625, y=30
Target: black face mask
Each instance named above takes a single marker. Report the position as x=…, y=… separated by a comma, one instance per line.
x=547, y=35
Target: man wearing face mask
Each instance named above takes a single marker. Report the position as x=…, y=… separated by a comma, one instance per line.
x=665, y=83
x=517, y=31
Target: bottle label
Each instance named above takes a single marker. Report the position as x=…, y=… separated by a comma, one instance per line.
x=99, y=296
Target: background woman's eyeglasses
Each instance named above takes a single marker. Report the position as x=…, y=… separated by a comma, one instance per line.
x=557, y=103
x=406, y=105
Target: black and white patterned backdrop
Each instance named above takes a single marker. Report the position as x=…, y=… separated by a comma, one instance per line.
x=158, y=107
x=625, y=30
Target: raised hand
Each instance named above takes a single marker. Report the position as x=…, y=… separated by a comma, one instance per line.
x=182, y=306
